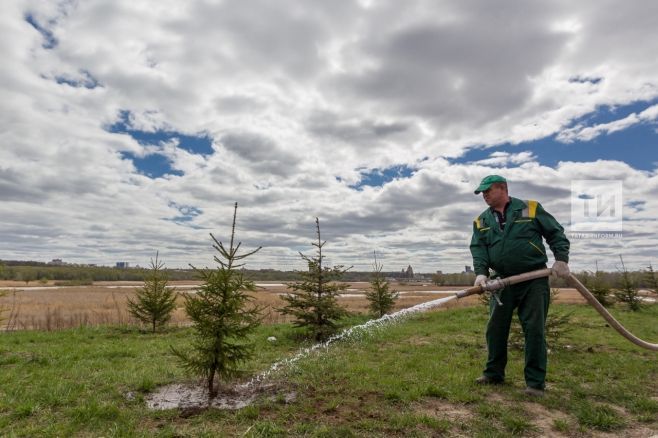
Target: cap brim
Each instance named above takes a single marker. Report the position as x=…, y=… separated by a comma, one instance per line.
x=482, y=188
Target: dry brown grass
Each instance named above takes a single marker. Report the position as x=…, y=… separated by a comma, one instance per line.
x=39, y=308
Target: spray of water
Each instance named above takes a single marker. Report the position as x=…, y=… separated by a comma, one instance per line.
x=349, y=333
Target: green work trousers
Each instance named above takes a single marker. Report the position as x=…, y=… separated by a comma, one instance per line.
x=531, y=298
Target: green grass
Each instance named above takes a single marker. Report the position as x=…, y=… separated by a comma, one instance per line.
x=600, y=417
x=411, y=379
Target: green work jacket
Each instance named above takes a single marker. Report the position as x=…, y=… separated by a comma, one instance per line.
x=519, y=248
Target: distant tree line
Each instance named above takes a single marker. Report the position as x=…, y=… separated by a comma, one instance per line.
x=34, y=271
x=29, y=271
x=463, y=279
x=643, y=279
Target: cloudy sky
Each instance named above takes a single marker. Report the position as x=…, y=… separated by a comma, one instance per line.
x=132, y=126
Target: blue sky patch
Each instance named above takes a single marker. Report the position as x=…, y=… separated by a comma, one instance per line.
x=610, y=113
x=187, y=212
x=585, y=80
x=155, y=164
x=637, y=205
x=377, y=178
x=636, y=146
x=87, y=81
x=152, y=165
x=187, y=215
x=49, y=40
x=196, y=144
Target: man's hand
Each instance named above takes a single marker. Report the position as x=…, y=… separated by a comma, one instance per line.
x=561, y=269
x=480, y=280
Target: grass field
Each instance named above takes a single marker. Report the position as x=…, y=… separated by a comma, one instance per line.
x=411, y=379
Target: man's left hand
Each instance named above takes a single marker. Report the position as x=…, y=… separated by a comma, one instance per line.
x=561, y=269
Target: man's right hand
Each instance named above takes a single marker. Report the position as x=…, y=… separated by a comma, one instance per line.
x=480, y=280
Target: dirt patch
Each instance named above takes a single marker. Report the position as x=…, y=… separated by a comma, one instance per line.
x=633, y=431
x=419, y=340
x=544, y=418
x=630, y=432
x=497, y=397
x=442, y=409
x=191, y=396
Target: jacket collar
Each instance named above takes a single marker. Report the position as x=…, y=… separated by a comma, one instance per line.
x=514, y=205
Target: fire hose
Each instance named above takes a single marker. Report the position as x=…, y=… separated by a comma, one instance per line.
x=499, y=283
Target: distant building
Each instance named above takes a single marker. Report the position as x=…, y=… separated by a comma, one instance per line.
x=122, y=265
x=407, y=273
x=56, y=262
x=467, y=270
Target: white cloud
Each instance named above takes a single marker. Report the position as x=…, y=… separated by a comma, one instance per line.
x=586, y=133
x=294, y=97
x=499, y=159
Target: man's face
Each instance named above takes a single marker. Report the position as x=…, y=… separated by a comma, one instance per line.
x=495, y=196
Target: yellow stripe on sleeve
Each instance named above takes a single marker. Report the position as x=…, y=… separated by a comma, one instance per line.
x=532, y=208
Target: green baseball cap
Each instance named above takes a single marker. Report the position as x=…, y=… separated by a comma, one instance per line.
x=487, y=181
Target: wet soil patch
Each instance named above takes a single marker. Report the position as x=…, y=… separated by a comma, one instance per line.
x=191, y=397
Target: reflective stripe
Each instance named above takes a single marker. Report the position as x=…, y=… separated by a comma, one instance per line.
x=477, y=223
x=537, y=248
x=484, y=229
x=530, y=210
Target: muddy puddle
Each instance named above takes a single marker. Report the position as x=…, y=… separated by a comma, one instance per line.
x=191, y=396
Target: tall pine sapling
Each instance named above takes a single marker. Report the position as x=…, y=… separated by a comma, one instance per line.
x=381, y=298
x=313, y=300
x=222, y=317
x=627, y=292
x=155, y=301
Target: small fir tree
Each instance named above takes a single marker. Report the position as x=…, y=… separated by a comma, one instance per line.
x=558, y=326
x=627, y=292
x=599, y=287
x=380, y=296
x=313, y=300
x=155, y=301
x=650, y=279
x=222, y=317
x=601, y=290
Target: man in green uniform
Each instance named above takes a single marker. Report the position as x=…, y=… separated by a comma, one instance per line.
x=507, y=238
